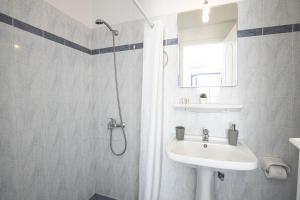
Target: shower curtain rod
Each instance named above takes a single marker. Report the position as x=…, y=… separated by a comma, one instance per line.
x=142, y=11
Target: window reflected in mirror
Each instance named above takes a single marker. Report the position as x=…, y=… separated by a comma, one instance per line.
x=208, y=50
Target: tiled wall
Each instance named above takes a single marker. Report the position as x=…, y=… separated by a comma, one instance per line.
x=268, y=87
x=55, y=101
x=46, y=136
x=117, y=177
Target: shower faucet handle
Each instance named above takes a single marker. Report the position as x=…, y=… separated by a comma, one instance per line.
x=205, y=135
x=113, y=124
x=112, y=120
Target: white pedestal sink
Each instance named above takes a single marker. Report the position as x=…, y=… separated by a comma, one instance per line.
x=296, y=142
x=208, y=157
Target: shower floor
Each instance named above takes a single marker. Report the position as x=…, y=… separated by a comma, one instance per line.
x=100, y=197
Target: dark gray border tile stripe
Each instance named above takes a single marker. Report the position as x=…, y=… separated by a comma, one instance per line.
x=50, y=36
x=77, y=47
x=100, y=197
x=54, y=38
x=27, y=27
x=296, y=27
x=6, y=19
x=95, y=51
x=174, y=41
x=136, y=46
x=269, y=30
x=39, y=32
x=47, y=35
x=105, y=50
x=122, y=48
x=278, y=29
x=250, y=32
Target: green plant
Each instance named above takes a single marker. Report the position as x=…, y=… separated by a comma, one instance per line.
x=203, y=95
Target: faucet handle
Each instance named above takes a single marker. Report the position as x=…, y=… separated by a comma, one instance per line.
x=111, y=124
x=112, y=120
x=205, y=131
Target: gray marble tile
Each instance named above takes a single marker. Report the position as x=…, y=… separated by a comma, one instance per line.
x=9, y=180
x=109, y=179
x=54, y=21
x=295, y=113
x=51, y=93
x=30, y=11
x=277, y=51
x=46, y=94
x=31, y=51
x=250, y=14
x=76, y=32
x=6, y=44
x=280, y=12
x=5, y=6
x=250, y=51
x=265, y=67
x=296, y=70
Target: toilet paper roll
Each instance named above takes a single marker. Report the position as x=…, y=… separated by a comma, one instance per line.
x=276, y=172
x=275, y=168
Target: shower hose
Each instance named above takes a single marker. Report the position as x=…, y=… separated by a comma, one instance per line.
x=119, y=106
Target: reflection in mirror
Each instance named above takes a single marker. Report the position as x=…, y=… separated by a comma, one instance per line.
x=208, y=50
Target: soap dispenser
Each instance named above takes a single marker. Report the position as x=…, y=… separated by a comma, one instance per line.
x=233, y=135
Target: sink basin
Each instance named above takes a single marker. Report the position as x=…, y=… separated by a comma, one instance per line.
x=208, y=157
x=296, y=143
x=216, y=153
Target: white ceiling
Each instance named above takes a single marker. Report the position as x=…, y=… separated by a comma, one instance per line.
x=119, y=11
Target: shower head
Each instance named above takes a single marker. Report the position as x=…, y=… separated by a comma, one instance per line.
x=100, y=21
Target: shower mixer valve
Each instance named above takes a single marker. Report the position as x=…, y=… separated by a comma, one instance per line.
x=113, y=124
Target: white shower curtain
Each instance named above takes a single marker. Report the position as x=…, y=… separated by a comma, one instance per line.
x=152, y=113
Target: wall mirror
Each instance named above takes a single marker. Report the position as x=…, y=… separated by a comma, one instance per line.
x=208, y=47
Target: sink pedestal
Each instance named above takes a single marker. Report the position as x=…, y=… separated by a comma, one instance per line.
x=208, y=157
x=205, y=189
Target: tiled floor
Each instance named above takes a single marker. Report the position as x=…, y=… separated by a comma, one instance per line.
x=100, y=197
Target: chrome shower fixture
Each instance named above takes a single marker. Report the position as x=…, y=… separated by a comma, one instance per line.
x=100, y=21
x=112, y=124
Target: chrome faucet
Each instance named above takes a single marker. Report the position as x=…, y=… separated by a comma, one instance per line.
x=205, y=135
x=113, y=124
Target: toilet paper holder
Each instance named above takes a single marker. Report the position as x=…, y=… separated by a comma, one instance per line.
x=275, y=168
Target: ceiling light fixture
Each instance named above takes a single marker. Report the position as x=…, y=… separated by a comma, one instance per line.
x=205, y=12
